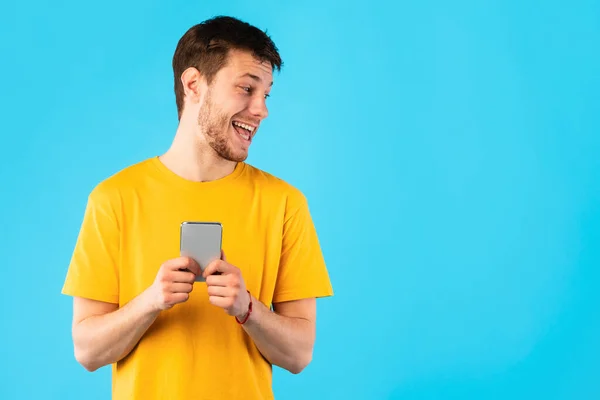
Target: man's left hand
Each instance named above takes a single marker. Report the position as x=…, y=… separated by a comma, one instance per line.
x=227, y=289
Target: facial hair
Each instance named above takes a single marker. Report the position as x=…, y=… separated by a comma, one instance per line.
x=215, y=125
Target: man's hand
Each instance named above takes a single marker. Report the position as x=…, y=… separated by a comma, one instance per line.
x=103, y=333
x=173, y=283
x=284, y=337
x=227, y=289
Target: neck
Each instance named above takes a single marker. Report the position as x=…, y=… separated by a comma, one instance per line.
x=192, y=158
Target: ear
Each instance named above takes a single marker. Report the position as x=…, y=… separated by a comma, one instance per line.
x=192, y=80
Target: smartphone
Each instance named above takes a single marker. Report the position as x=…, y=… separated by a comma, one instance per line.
x=202, y=242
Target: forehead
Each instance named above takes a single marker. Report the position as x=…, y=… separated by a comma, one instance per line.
x=244, y=64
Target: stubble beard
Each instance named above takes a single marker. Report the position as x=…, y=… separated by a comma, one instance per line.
x=215, y=126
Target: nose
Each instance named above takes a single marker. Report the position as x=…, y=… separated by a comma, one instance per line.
x=258, y=107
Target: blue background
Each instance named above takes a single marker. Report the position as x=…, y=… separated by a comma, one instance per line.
x=449, y=151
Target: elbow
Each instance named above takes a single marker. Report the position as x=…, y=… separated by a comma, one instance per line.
x=300, y=363
x=84, y=353
x=85, y=360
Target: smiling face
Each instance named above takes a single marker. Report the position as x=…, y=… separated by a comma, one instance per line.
x=235, y=105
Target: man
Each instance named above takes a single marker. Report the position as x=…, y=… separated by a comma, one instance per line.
x=136, y=304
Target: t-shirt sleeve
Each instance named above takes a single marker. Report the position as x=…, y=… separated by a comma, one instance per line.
x=302, y=269
x=93, y=269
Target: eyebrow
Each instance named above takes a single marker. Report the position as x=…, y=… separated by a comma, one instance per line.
x=255, y=78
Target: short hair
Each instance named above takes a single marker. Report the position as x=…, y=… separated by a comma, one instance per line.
x=206, y=46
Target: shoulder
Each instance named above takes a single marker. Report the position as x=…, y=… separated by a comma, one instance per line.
x=109, y=190
x=274, y=186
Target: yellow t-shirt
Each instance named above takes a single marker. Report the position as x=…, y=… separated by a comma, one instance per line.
x=195, y=350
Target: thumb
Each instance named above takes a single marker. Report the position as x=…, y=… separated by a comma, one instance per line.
x=223, y=256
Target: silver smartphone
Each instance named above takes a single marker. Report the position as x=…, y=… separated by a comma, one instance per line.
x=202, y=242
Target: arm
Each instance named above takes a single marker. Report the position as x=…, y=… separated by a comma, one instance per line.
x=104, y=334
x=285, y=336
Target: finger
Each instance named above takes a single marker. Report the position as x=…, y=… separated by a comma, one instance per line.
x=179, y=297
x=181, y=287
x=217, y=266
x=223, y=255
x=217, y=280
x=211, y=268
x=183, y=276
x=223, y=302
x=220, y=291
x=192, y=266
x=183, y=264
x=179, y=263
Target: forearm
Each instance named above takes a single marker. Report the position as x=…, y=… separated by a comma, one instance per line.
x=104, y=339
x=285, y=341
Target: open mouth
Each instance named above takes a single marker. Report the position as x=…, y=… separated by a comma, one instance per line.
x=244, y=130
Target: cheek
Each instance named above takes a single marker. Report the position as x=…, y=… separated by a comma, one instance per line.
x=238, y=104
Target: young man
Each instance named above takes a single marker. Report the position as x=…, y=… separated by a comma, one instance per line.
x=136, y=304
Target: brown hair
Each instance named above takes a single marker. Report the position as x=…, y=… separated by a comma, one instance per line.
x=205, y=46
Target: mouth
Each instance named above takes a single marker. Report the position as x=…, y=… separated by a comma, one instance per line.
x=245, y=131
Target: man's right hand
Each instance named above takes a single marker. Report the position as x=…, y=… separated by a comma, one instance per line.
x=173, y=283
x=104, y=333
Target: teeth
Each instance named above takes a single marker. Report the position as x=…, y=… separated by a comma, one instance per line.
x=246, y=127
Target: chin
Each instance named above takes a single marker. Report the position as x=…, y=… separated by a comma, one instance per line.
x=239, y=156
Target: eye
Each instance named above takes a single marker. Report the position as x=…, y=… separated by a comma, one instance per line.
x=246, y=89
